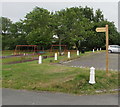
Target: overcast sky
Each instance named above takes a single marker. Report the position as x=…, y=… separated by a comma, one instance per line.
x=17, y=10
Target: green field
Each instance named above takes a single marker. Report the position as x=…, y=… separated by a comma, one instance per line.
x=51, y=76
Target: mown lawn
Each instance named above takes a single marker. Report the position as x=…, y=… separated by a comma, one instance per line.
x=55, y=77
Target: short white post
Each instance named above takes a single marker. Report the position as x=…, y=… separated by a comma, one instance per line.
x=40, y=60
x=55, y=56
x=62, y=53
x=77, y=52
x=93, y=50
x=24, y=54
x=68, y=54
x=100, y=49
x=92, y=75
x=97, y=49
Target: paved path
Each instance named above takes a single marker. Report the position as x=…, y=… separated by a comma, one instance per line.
x=97, y=60
x=22, y=97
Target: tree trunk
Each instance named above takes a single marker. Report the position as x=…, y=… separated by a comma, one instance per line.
x=60, y=50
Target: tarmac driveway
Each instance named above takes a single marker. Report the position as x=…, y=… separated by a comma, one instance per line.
x=97, y=60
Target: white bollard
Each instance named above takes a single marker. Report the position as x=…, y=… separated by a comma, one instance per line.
x=92, y=75
x=68, y=54
x=100, y=49
x=62, y=53
x=97, y=49
x=40, y=60
x=77, y=52
x=55, y=56
x=93, y=50
x=24, y=54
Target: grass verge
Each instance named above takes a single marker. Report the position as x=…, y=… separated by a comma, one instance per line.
x=57, y=78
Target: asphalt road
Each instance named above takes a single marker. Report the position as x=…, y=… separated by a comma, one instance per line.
x=22, y=97
x=97, y=60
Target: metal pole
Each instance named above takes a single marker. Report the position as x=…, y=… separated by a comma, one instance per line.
x=107, y=43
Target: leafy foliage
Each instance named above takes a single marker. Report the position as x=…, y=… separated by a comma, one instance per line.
x=74, y=27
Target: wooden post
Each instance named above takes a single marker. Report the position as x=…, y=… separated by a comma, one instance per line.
x=107, y=43
x=105, y=29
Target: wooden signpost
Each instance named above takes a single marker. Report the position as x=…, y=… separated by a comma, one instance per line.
x=101, y=29
x=105, y=29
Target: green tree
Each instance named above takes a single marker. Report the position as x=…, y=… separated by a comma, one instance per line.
x=59, y=27
x=6, y=24
x=37, y=27
x=5, y=31
x=73, y=26
x=87, y=13
x=98, y=16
